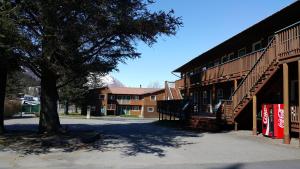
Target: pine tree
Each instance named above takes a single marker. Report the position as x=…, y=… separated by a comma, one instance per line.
x=8, y=57
x=70, y=39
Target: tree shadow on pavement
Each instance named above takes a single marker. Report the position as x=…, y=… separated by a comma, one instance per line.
x=129, y=138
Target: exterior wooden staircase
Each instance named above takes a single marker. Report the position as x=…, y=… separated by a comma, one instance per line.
x=264, y=68
x=284, y=45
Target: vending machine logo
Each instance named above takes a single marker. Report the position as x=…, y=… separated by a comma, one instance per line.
x=265, y=115
x=280, y=117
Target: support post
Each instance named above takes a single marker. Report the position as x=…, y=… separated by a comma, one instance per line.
x=286, y=103
x=214, y=95
x=235, y=85
x=235, y=126
x=299, y=98
x=254, y=113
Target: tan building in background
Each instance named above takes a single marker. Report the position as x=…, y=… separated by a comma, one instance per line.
x=125, y=101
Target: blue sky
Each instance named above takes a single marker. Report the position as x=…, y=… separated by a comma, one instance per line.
x=206, y=24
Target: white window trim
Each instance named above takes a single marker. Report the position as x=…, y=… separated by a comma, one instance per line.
x=223, y=58
x=154, y=97
x=151, y=111
x=244, y=48
x=232, y=53
x=255, y=43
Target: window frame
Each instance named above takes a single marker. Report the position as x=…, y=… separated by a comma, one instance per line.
x=244, y=48
x=256, y=43
x=154, y=97
x=149, y=110
x=133, y=108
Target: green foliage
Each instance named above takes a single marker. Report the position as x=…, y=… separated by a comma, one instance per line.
x=73, y=38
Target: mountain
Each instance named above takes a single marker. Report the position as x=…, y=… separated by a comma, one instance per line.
x=98, y=80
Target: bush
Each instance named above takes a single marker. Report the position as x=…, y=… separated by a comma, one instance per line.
x=12, y=107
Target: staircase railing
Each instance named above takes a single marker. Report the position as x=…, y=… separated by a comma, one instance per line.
x=255, y=74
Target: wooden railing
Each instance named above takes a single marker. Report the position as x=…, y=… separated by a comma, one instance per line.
x=285, y=44
x=234, y=68
x=172, y=108
x=226, y=111
x=288, y=41
x=295, y=118
x=259, y=68
x=123, y=101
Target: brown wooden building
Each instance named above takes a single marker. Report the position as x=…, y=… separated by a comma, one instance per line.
x=259, y=65
x=139, y=102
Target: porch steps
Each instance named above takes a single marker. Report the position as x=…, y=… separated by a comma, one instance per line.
x=203, y=123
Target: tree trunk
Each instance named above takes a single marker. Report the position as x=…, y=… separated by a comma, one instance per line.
x=76, y=108
x=66, y=107
x=3, y=78
x=49, y=120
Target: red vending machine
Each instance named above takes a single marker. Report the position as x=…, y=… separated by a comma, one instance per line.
x=278, y=120
x=272, y=120
x=266, y=120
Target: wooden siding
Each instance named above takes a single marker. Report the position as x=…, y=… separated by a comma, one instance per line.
x=230, y=70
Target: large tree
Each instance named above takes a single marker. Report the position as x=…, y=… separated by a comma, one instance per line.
x=8, y=57
x=69, y=39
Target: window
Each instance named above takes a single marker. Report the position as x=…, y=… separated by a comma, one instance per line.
x=210, y=64
x=256, y=46
x=127, y=97
x=101, y=96
x=216, y=62
x=119, y=97
x=150, y=109
x=153, y=97
x=242, y=52
x=135, y=107
x=111, y=97
x=225, y=58
x=136, y=97
x=231, y=55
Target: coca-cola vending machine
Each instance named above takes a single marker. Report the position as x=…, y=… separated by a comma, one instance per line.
x=272, y=120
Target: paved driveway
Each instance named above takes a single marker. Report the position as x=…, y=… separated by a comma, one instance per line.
x=144, y=144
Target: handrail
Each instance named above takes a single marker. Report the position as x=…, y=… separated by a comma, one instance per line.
x=253, y=67
x=283, y=29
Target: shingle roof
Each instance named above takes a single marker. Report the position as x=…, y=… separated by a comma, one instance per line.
x=133, y=91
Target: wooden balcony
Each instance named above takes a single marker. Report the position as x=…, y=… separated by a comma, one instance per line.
x=288, y=43
x=234, y=69
x=129, y=102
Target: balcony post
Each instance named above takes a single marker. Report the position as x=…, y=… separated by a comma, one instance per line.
x=298, y=108
x=286, y=104
x=235, y=85
x=254, y=113
x=213, y=102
